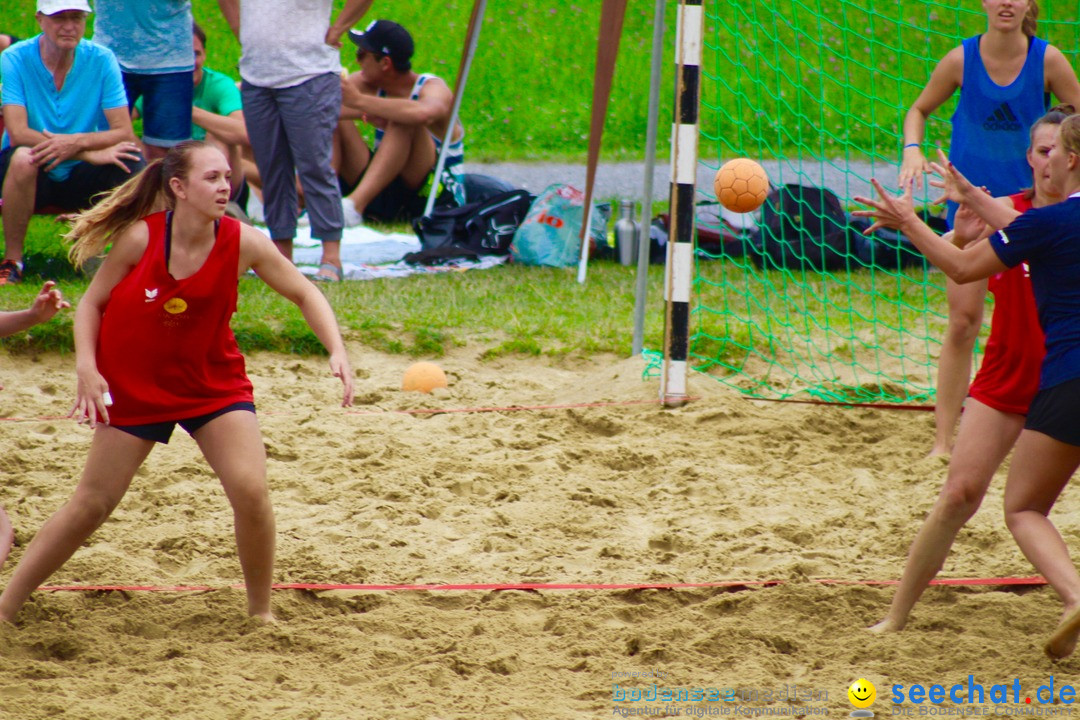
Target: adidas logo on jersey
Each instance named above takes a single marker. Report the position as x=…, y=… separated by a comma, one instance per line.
x=1002, y=119
x=151, y=295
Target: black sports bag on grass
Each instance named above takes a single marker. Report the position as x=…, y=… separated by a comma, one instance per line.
x=485, y=227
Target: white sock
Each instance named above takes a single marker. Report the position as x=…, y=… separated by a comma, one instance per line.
x=352, y=217
x=254, y=209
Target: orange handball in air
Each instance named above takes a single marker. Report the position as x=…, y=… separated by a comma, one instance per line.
x=423, y=377
x=741, y=185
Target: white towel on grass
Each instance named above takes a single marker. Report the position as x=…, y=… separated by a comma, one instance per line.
x=359, y=246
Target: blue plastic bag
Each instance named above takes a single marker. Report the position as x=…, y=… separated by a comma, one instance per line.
x=550, y=233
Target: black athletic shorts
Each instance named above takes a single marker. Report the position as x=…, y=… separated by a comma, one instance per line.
x=397, y=201
x=1055, y=411
x=75, y=193
x=162, y=431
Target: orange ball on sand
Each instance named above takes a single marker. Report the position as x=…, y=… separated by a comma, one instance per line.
x=423, y=377
x=741, y=185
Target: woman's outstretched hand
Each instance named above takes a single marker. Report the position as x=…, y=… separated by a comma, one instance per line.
x=954, y=186
x=888, y=210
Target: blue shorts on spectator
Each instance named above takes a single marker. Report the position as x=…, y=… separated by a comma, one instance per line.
x=166, y=105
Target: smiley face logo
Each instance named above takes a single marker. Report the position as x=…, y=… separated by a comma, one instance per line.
x=862, y=693
x=175, y=306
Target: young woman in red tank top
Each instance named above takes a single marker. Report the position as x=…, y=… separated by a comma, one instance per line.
x=153, y=349
x=999, y=396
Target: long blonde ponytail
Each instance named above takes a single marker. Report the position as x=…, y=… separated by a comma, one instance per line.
x=126, y=204
x=116, y=212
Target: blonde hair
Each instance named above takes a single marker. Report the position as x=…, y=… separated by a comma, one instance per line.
x=126, y=204
x=1031, y=19
x=1070, y=134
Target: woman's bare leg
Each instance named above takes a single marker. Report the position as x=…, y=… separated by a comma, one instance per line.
x=986, y=436
x=1040, y=470
x=954, y=363
x=114, y=457
x=233, y=445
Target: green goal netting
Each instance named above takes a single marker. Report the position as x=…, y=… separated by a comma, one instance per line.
x=817, y=91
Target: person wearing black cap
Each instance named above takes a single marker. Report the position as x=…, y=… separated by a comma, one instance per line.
x=410, y=113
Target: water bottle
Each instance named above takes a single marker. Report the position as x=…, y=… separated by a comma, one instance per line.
x=627, y=233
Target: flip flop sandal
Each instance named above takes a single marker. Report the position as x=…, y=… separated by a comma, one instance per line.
x=335, y=275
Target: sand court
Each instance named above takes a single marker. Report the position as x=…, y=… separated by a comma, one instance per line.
x=621, y=492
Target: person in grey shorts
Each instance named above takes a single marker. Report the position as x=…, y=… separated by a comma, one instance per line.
x=290, y=69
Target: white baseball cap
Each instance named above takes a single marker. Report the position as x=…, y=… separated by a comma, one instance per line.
x=51, y=7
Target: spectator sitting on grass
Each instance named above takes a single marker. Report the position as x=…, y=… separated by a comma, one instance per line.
x=410, y=112
x=7, y=40
x=217, y=115
x=68, y=132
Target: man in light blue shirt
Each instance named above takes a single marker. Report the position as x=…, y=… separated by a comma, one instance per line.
x=152, y=42
x=68, y=133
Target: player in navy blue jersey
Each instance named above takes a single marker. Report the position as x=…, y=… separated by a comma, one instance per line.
x=1048, y=450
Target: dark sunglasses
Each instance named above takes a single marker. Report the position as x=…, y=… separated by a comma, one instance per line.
x=361, y=54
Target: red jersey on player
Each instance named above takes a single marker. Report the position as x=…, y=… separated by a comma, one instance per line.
x=1009, y=375
x=165, y=346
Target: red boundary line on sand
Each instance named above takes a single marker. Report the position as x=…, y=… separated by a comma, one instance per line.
x=508, y=408
x=567, y=406
x=1006, y=581
x=874, y=406
x=421, y=411
x=37, y=419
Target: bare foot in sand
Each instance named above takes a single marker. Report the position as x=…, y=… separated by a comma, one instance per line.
x=886, y=625
x=939, y=451
x=1062, y=643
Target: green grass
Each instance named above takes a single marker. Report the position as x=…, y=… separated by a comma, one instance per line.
x=829, y=79
x=531, y=311
x=509, y=310
x=809, y=78
x=530, y=88
x=864, y=336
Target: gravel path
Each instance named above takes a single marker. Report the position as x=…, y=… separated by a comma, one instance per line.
x=626, y=179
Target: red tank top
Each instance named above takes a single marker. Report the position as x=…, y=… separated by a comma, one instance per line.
x=1009, y=375
x=165, y=346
